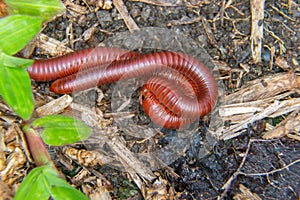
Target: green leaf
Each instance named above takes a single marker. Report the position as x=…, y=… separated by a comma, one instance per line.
x=45, y=9
x=16, y=31
x=61, y=130
x=43, y=182
x=66, y=193
x=33, y=186
x=11, y=61
x=15, y=89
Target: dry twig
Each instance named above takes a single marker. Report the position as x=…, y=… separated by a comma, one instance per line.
x=257, y=14
x=130, y=23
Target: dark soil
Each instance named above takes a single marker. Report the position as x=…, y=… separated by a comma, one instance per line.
x=203, y=177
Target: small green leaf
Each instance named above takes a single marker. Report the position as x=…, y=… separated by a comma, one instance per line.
x=45, y=9
x=33, y=186
x=16, y=31
x=12, y=61
x=61, y=130
x=15, y=88
x=66, y=193
x=43, y=182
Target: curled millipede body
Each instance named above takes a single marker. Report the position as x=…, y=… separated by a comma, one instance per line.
x=179, y=89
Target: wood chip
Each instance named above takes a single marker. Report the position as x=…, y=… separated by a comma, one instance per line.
x=282, y=63
x=6, y=191
x=105, y=4
x=290, y=125
x=157, y=190
x=56, y=106
x=85, y=157
x=52, y=47
x=245, y=194
x=89, y=32
x=96, y=192
x=257, y=17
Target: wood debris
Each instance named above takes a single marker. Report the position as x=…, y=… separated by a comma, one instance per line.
x=75, y=7
x=266, y=97
x=282, y=63
x=91, y=117
x=245, y=194
x=52, y=47
x=105, y=4
x=131, y=164
x=13, y=158
x=97, y=192
x=89, y=32
x=85, y=157
x=288, y=127
x=55, y=107
x=158, y=190
x=257, y=27
x=130, y=23
x=268, y=86
x=6, y=191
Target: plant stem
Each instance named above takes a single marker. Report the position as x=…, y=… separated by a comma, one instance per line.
x=37, y=148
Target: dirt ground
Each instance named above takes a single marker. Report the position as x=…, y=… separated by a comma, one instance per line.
x=247, y=166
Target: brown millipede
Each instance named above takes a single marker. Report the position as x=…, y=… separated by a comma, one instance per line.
x=179, y=89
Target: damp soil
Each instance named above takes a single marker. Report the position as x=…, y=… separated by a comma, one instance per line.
x=203, y=177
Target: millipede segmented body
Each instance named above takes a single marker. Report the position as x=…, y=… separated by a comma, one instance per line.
x=179, y=89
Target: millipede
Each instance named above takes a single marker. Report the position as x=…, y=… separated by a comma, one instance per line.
x=178, y=91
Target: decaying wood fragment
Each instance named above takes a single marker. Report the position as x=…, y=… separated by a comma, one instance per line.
x=158, y=190
x=5, y=191
x=277, y=106
x=97, y=192
x=287, y=127
x=89, y=32
x=282, y=63
x=266, y=87
x=245, y=194
x=76, y=8
x=56, y=106
x=266, y=97
x=130, y=23
x=137, y=170
x=105, y=4
x=85, y=157
x=257, y=27
x=52, y=47
x=89, y=116
x=13, y=168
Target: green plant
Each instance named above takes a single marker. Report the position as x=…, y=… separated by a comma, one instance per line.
x=45, y=181
x=23, y=23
